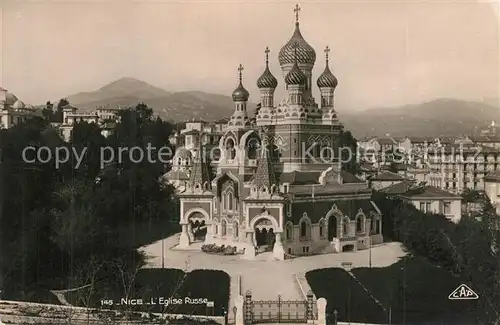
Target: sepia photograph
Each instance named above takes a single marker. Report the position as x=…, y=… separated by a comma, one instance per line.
x=250, y=162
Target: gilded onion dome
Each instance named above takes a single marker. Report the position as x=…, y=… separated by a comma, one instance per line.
x=305, y=52
x=327, y=79
x=267, y=80
x=295, y=76
x=240, y=94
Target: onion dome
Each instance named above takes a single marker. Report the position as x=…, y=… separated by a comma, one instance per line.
x=305, y=52
x=295, y=76
x=10, y=98
x=18, y=104
x=240, y=94
x=327, y=79
x=267, y=80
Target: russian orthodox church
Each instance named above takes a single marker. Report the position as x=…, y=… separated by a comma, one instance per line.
x=264, y=191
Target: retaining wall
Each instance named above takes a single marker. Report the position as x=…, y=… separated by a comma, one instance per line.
x=18, y=312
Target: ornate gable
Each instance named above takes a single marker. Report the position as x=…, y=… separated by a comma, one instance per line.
x=330, y=176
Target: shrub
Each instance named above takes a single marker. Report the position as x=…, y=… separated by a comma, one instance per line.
x=220, y=250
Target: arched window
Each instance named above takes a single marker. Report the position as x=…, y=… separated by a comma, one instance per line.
x=252, y=148
x=289, y=232
x=230, y=201
x=235, y=230
x=179, y=161
x=216, y=229
x=359, y=224
x=303, y=229
x=321, y=231
x=230, y=149
x=223, y=226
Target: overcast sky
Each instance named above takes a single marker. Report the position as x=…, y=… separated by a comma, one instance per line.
x=383, y=53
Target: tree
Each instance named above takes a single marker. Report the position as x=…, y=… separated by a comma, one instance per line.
x=47, y=111
x=57, y=116
x=471, y=196
x=55, y=221
x=469, y=249
x=86, y=139
x=349, y=152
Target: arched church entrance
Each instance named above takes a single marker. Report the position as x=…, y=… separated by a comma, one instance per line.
x=197, y=227
x=264, y=235
x=332, y=227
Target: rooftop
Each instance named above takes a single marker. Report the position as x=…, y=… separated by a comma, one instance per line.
x=387, y=176
x=399, y=188
x=429, y=192
x=310, y=178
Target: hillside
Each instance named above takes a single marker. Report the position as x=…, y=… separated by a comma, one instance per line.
x=433, y=118
x=171, y=106
x=127, y=88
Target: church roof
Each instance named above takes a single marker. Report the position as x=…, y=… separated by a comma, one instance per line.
x=200, y=172
x=329, y=189
x=267, y=80
x=327, y=79
x=303, y=178
x=265, y=174
x=317, y=210
x=305, y=52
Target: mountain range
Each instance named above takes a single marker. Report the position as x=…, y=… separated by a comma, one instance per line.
x=434, y=118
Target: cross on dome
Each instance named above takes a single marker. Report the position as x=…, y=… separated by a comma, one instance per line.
x=240, y=72
x=327, y=50
x=296, y=11
x=267, y=80
x=240, y=94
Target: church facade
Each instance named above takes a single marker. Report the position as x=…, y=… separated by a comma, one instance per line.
x=276, y=183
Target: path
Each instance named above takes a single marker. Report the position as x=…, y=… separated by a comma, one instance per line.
x=266, y=279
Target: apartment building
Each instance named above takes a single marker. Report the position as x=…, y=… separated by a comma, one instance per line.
x=492, y=188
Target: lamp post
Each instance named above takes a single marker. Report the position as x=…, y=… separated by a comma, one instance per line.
x=163, y=253
x=370, y=252
x=347, y=266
